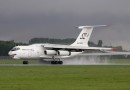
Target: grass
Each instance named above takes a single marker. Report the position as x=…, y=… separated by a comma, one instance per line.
x=65, y=77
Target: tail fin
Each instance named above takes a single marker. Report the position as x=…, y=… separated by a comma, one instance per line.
x=83, y=38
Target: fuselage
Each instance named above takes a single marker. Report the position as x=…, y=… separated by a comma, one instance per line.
x=37, y=51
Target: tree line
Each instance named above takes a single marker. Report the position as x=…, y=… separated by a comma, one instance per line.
x=66, y=41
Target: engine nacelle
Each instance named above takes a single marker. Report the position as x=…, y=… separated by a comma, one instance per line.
x=50, y=52
x=63, y=53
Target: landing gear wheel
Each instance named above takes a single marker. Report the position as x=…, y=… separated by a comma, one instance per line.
x=60, y=62
x=56, y=62
x=25, y=62
x=52, y=62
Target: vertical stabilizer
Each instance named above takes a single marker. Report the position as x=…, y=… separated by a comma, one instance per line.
x=84, y=36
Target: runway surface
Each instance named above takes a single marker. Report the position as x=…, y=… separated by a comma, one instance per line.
x=70, y=61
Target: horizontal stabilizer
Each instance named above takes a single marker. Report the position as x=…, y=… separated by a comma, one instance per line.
x=93, y=26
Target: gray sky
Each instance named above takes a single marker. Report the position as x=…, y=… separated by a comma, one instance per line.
x=22, y=20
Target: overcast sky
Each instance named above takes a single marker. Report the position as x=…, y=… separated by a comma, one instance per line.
x=22, y=20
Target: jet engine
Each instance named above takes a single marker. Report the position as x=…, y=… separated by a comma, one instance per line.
x=50, y=52
x=63, y=53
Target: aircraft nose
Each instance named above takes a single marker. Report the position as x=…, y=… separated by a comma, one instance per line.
x=13, y=55
x=10, y=53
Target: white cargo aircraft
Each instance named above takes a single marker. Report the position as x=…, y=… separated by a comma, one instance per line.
x=55, y=52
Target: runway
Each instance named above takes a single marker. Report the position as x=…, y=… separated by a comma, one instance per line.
x=62, y=65
x=78, y=60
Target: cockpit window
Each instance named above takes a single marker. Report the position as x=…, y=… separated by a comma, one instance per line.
x=15, y=49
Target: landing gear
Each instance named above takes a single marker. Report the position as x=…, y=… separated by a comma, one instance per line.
x=56, y=62
x=60, y=62
x=25, y=62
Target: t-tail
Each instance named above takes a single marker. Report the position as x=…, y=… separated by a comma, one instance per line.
x=84, y=36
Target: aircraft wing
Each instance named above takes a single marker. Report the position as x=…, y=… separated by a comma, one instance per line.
x=105, y=53
x=67, y=47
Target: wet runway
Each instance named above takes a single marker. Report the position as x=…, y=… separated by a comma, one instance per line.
x=79, y=60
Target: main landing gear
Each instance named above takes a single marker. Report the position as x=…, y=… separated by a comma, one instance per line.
x=56, y=62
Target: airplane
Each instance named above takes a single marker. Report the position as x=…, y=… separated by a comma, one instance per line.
x=55, y=52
